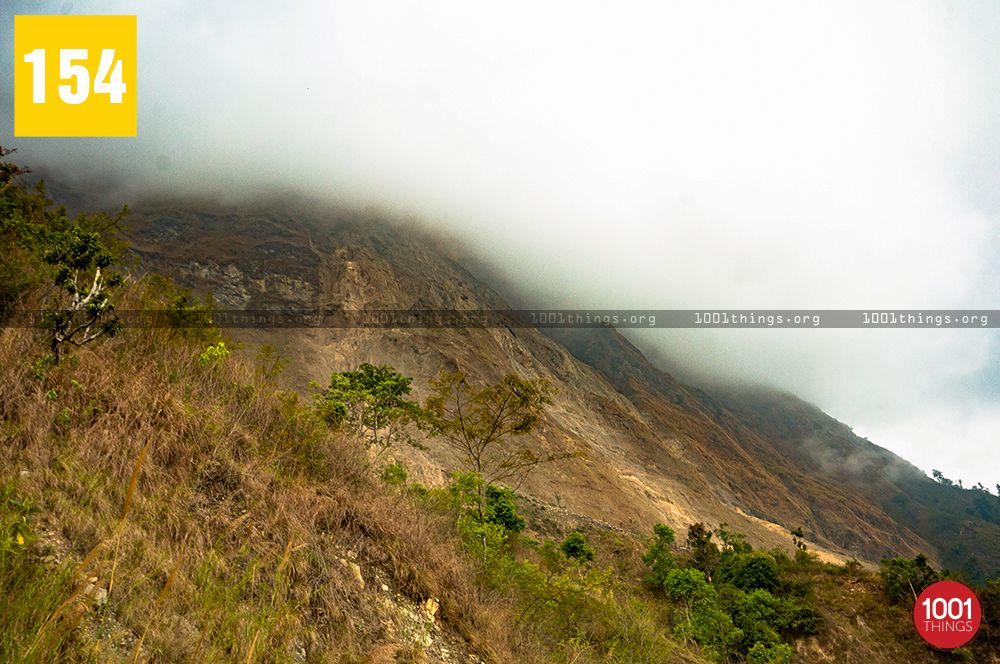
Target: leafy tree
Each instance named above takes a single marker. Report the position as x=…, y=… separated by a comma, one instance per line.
x=501, y=508
x=749, y=571
x=732, y=540
x=902, y=577
x=940, y=478
x=371, y=401
x=73, y=256
x=698, y=616
x=660, y=557
x=686, y=584
x=83, y=310
x=478, y=424
x=575, y=546
x=704, y=552
x=774, y=653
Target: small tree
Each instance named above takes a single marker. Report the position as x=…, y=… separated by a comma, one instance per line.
x=798, y=539
x=575, y=547
x=660, y=556
x=750, y=571
x=479, y=424
x=902, y=577
x=501, y=508
x=704, y=552
x=82, y=309
x=9, y=171
x=732, y=541
x=372, y=402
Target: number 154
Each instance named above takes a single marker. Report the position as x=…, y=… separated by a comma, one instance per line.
x=108, y=80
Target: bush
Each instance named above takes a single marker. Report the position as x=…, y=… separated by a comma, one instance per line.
x=500, y=508
x=764, y=618
x=575, y=547
x=660, y=557
x=903, y=578
x=775, y=653
x=394, y=474
x=213, y=354
x=704, y=552
x=750, y=571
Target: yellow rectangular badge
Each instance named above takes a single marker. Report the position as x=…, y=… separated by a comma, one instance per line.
x=74, y=76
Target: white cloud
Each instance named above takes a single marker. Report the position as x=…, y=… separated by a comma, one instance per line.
x=668, y=155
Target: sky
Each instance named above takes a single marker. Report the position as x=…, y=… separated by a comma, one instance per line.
x=665, y=155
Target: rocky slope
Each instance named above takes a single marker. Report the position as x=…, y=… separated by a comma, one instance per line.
x=644, y=447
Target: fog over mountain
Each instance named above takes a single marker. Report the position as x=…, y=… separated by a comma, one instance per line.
x=619, y=155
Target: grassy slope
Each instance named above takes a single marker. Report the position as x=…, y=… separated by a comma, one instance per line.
x=240, y=526
x=196, y=512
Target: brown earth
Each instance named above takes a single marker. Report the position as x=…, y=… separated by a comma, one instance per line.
x=645, y=448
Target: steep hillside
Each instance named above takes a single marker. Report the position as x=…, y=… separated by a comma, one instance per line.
x=963, y=525
x=645, y=448
x=162, y=499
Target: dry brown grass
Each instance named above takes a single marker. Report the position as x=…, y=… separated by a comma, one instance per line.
x=218, y=509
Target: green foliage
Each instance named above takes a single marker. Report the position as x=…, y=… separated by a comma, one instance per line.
x=15, y=533
x=74, y=257
x=736, y=611
x=759, y=615
x=394, y=474
x=485, y=503
x=798, y=539
x=903, y=578
x=763, y=617
x=749, y=571
x=773, y=653
x=732, y=540
x=575, y=547
x=81, y=304
x=699, y=617
x=478, y=424
x=704, y=552
x=660, y=557
x=213, y=354
x=686, y=584
x=501, y=508
x=371, y=402
x=40, y=367
x=485, y=541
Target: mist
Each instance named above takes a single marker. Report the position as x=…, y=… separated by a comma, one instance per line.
x=624, y=155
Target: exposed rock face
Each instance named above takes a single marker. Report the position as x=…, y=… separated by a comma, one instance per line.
x=645, y=447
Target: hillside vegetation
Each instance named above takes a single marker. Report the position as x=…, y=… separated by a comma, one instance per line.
x=163, y=497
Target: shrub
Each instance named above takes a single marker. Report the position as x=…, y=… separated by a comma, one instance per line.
x=660, y=557
x=501, y=508
x=394, y=474
x=704, y=552
x=903, y=578
x=750, y=571
x=685, y=584
x=575, y=547
x=774, y=653
x=213, y=354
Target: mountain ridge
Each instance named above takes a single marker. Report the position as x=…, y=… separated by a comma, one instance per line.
x=645, y=447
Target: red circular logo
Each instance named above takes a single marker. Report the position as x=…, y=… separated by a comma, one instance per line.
x=947, y=614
